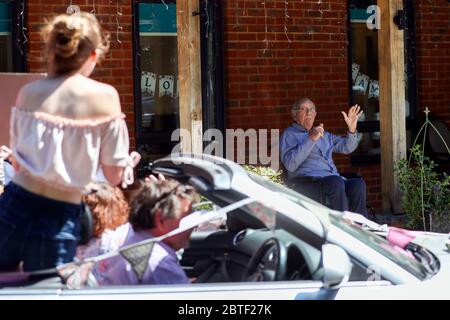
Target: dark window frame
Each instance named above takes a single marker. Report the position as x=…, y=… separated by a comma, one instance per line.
x=212, y=64
x=19, y=54
x=374, y=126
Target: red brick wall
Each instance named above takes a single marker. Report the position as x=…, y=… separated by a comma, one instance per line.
x=433, y=56
x=264, y=78
x=116, y=69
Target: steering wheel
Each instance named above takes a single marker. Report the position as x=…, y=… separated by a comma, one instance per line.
x=268, y=263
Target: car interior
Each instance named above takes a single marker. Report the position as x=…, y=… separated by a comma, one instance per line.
x=242, y=249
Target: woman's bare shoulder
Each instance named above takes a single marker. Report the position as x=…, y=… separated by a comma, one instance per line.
x=103, y=97
x=74, y=97
x=28, y=94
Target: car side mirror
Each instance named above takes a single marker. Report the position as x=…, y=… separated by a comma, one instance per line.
x=336, y=265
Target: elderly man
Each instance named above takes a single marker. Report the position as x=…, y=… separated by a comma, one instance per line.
x=306, y=150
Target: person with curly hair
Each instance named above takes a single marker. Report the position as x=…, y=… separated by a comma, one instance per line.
x=110, y=211
x=64, y=128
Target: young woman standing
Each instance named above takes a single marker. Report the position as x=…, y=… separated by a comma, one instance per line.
x=63, y=130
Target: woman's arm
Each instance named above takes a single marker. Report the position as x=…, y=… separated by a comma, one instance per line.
x=113, y=174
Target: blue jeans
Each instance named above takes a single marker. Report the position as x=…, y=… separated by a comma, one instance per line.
x=40, y=232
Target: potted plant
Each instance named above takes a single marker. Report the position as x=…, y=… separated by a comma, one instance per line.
x=425, y=193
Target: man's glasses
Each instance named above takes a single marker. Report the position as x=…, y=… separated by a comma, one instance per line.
x=307, y=110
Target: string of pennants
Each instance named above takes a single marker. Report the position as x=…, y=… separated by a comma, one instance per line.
x=166, y=85
x=362, y=82
x=169, y=87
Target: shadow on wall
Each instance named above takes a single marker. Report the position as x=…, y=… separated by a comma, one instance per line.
x=11, y=84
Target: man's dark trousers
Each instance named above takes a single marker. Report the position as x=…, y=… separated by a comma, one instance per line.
x=345, y=194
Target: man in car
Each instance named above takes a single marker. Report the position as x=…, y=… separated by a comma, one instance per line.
x=306, y=150
x=156, y=209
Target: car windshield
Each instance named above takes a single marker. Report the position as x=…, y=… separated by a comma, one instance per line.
x=381, y=245
x=372, y=240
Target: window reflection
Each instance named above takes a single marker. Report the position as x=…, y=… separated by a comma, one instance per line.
x=365, y=80
x=370, y=144
x=365, y=57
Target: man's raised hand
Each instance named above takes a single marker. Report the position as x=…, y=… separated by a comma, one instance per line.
x=351, y=119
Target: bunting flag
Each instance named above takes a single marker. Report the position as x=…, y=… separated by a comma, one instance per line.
x=361, y=83
x=137, y=257
x=374, y=89
x=148, y=83
x=355, y=71
x=166, y=86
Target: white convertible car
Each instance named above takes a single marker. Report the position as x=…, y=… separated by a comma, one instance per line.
x=277, y=244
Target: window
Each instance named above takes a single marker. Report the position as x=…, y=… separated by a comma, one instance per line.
x=157, y=80
x=157, y=112
x=5, y=37
x=12, y=36
x=364, y=79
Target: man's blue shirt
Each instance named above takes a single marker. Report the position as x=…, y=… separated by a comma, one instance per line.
x=303, y=157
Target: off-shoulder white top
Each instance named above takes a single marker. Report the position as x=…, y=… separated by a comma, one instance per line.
x=65, y=152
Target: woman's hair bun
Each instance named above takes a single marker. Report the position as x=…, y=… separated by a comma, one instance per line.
x=66, y=39
x=71, y=39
